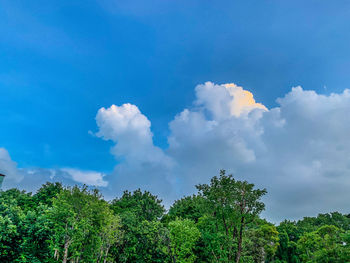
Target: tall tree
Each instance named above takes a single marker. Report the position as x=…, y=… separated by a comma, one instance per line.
x=233, y=204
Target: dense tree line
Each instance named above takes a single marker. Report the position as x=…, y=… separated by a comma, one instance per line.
x=220, y=223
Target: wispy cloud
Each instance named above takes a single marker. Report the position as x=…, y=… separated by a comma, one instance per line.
x=92, y=178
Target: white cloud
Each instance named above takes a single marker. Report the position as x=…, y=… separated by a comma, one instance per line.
x=299, y=151
x=142, y=164
x=9, y=167
x=130, y=130
x=31, y=179
x=86, y=177
x=224, y=101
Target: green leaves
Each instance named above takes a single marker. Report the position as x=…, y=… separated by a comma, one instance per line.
x=261, y=243
x=219, y=224
x=84, y=226
x=143, y=205
x=144, y=238
x=183, y=237
x=326, y=244
x=47, y=193
x=190, y=207
x=232, y=204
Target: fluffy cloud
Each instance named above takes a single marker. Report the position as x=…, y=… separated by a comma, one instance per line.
x=142, y=164
x=130, y=130
x=9, y=167
x=299, y=151
x=225, y=101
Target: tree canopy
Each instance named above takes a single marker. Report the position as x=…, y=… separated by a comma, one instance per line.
x=220, y=223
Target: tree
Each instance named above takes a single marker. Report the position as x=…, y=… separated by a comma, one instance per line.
x=47, y=192
x=152, y=239
x=219, y=224
x=81, y=221
x=11, y=217
x=19, y=198
x=289, y=235
x=143, y=205
x=233, y=204
x=261, y=243
x=309, y=224
x=323, y=245
x=36, y=232
x=189, y=207
x=14, y=205
x=144, y=236
x=110, y=234
x=183, y=237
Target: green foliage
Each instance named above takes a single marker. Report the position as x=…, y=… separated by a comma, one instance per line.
x=47, y=192
x=232, y=205
x=261, y=243
x=37, y=231
x=289, y=234
x=326, y=244
x=218, y=224
x=144, y=237
x=152, y=239
x=84, y=226
x=183, y=237
x=190, y=207
x=309, y=224
x=143, y=205
x=11, y=217
x=19, y=198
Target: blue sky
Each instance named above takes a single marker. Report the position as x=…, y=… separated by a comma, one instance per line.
x=62, y=61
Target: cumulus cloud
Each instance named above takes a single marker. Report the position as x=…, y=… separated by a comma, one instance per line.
x=142, y=164
x=9, y=167
x=299, y=151
x=224, y=101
